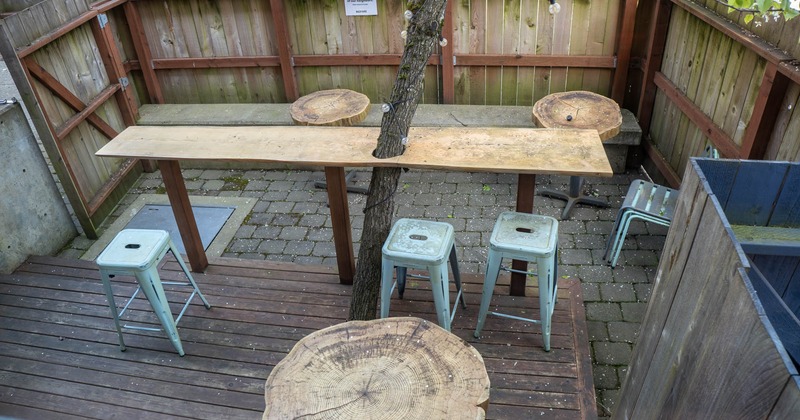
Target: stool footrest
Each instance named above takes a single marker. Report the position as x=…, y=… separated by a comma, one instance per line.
x=133, y=296
x=136, y=327
x=514, y=270
x=518, y=318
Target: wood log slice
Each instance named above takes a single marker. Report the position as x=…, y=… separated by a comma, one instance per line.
x=392, y=368
x=335, y=107
x=579, y=109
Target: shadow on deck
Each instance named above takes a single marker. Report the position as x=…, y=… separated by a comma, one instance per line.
x=59, y=353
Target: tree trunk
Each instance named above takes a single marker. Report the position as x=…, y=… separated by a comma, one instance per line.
x=423, y=34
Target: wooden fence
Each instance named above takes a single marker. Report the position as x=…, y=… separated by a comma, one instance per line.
x=710, y=81
x=63, y=59
x=701, y=79
x=85, y=67
x=509, y=52
x=710, y=346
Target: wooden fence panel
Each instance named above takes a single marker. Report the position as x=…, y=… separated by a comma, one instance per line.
x=717, y=77
x=527, y=28
x=332, y=50
x=784, y=144
x=705, y=318
x=61, y=48
x=242, y=29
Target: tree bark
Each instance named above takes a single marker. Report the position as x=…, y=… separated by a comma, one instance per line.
x=423, y=34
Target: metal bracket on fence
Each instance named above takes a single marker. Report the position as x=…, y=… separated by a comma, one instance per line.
x=102, y=18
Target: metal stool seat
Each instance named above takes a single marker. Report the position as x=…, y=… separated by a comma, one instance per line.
x=526, y=237
x=645, y=201
x=137, y=252
x=424, y=245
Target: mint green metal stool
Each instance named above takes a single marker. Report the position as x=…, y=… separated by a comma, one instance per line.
x=526, y=237
x=427, y=245
x=137, y=252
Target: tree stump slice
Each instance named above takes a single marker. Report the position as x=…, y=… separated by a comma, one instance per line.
x=579, y=109
x=335, y=107
x=392, y=368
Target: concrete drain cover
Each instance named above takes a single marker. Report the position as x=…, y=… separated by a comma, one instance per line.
x=210, y=220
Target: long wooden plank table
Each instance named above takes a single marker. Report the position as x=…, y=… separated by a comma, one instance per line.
x=523, y=151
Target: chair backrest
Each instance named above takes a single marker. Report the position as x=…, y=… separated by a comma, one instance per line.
x=711, y=152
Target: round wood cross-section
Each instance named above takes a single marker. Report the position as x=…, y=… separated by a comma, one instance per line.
x=579, y=109
x=336, y=107
x=392, y=368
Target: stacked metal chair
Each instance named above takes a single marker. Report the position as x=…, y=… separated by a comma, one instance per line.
x=644, y=201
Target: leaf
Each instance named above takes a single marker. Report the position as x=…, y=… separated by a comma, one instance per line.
x=788, y=11
x=740, y=4
x=748, y=19
x=486, y=187
x=763, y=5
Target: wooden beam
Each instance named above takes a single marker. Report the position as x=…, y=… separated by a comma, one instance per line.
x=659, y=25
x=184, y=215
x=448, y=59
x=707, y=126
x=34, y=46
x=624, y=46
x=526, y=185
x=791, y=69
x=765, y=112
x=68, y=97
x=340, y=222
x=112, y=62
x=284, y=50
x=582, y=61
x=142, y=47
x=108, y=187
x=103, y=7
x=88, y=111
x=214, y=62
x=480, y=60
x=661, y=163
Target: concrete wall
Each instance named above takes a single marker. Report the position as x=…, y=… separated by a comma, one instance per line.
x=33, y=217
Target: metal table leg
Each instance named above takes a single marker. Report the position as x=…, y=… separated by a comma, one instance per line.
x=575, y=196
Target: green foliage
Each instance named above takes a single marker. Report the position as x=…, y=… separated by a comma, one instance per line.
x=768, y=9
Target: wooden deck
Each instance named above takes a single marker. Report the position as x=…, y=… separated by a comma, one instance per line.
x=59, y=354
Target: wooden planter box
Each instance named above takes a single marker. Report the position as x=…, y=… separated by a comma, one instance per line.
x=721, y=328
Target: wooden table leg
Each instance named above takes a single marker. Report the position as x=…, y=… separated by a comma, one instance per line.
x=184, y=216
x=525, y=192
x=340, y=219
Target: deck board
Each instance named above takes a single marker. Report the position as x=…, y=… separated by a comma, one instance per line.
x=59, y=353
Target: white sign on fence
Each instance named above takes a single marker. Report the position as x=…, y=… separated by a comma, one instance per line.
x=361, y=7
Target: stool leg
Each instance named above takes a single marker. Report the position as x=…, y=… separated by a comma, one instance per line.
x=620, y=240
x=113, y=305
x=489, y=280
x=441, y=294
x=612, y=234
x=401, y=280
x=151, y=285
x=387, y=269
x=456, y=274
x=546, y=296
x=186, y=271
